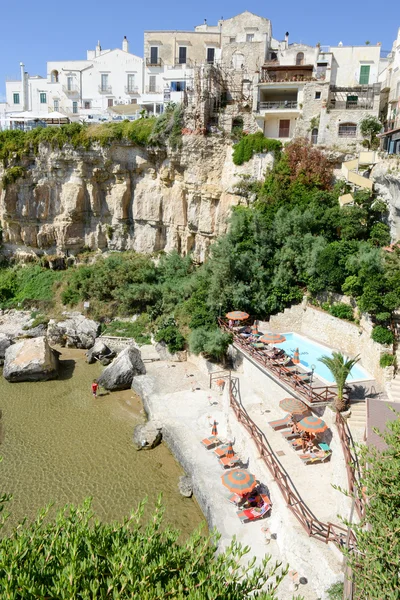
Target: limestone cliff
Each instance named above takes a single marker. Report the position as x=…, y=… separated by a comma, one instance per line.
x=386, y=177
x=124, y=197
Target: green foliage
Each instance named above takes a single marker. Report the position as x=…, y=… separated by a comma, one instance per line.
x=253, y=143
x=340, y=368
x=168, y=127
x=39, y=320
x=335, y=592
x=138, y=330
x=370, y=126
x=387, y=360
x=375, y=564
x=12, y=174
x=213, y=343
x=24, y=286
x=341, y=311
x=77, y=556
x=382, y=335
x=169, y=333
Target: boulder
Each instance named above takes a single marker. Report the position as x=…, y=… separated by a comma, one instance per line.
x=76, y=331
x=147, y=436
x=120, y=373
x=185, y=486
x=4, y=344
x=30, y=360
x=99, y=352
x=39, y=331
x=165, y=354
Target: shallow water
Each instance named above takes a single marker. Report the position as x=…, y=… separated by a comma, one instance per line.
x=61, y=445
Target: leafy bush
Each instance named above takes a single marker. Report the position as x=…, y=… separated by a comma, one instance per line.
x=169, y=333
x=212, y=343
x=30, y=284
x=136, y=329
x=254, y=142
x=39, y=320
x=12, y=174
x=342, y=311
x=382, y=335
x=168, y=126
x=387, y=360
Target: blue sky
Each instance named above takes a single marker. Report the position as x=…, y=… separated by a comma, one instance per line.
x=28, y=35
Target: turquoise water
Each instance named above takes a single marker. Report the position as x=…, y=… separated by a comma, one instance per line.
x=310, y=352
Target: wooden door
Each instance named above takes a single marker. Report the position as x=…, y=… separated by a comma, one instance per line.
x=284, y=128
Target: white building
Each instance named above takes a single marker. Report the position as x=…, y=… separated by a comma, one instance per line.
x=391, y=137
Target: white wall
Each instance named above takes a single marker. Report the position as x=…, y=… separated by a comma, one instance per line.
x=347, y=61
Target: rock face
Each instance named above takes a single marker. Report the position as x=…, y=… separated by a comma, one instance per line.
x=99, y=352
x=75, y=332
x=147, y=436
x=120, y=373
x=185, y=486
x=124, y=197
x=165, y=354
x=386, y=176
x=30, y=360
x=4, y=344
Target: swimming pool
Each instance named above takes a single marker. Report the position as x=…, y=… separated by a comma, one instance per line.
x=311, y=351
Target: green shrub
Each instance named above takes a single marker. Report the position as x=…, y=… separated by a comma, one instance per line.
x=133, y=329
x=335, y=592
x=387, y=360
x=255, y=142
x=342, y=311
x=212, y=343
x=39, y=320
x=382, y=335
x=169, y=333
x=12, y=174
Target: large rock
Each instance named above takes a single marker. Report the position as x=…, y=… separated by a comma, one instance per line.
x=4, y=344
x=120, y=373
x=100, y=351
x=76, y=331
x=185, y=486
x=30, y=360
x=165, y=354
x=147, y=436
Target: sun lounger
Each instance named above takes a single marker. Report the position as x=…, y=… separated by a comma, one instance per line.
x=254, y=514
x=228, y=462
x=314, y=457
x=210, y=442
x=297, y=443
x=236, y=499
x=289, y=435
x=221, y=450
x=280, y=423
x=325, y=447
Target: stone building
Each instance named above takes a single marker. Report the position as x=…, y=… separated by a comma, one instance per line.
x=391, y=135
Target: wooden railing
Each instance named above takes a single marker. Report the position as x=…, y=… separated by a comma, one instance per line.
x=352, y=465
x=309, y=393
x=325, y=532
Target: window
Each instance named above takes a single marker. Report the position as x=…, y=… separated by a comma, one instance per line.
x=16, y=98
x=210, y=55
x=154, y=55
x=317, y=95
x=178, y=86
x=314, y=135
x=232, y=40
x=300, y=59
x=56, y=105
x=110, y=102
x=152, y=83
x=364, y=74
x=321, y=70
x=182, y=55
x=131, y=82
x=43, y=97
x=75, y=108
x=284, y=128
x=347, y=130
x=133, y=100
x=104, y=82
x=70, y=81
x=87, y=104
x=351, y=101
x=54, y=76
x=249, y=37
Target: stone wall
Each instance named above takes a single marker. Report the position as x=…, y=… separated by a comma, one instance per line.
x=386, y=177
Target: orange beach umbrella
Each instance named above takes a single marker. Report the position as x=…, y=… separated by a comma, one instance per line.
x=293, y=406
x=214, y=430
x=312, y=424
x=239, y=481
x=272, y=338
x=296, y=356
x=237, y=315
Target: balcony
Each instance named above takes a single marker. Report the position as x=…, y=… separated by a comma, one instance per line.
x=278, y=105
x=181, y=65
x=132, y=90
x=70, y=90
x=105, y=89
x=273, y=72
x=152, y=90
x=153, y=63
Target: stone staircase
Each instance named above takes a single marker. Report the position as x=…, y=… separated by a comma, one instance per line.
x=358, y=417
x=393, y=389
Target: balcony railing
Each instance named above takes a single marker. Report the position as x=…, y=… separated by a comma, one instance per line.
x=131, y=89
x=152, y=90
x=187, y=63
x=105, y=89
x=277, y=105
x=360, y=104
x=153, y=63
x=70, y=90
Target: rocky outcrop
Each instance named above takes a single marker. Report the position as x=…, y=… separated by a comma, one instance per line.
x=99, y=352
x=386, y=177
x=120, y=373
x=124, y=197
x=4, y=344
x=165, y=354
x=30, y=360
x=185, y=486
x=75, y=332
x=147, y=436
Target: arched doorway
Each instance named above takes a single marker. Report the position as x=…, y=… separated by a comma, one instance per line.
x=314, y=135
x=54, y=76
x=300, y=59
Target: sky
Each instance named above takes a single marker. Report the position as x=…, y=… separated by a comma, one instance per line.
x=44, y=31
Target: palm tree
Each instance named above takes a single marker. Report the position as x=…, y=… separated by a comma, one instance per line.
x=340, y=369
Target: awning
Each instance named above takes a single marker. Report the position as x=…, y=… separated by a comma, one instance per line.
x=55, y=115
x=385, y=133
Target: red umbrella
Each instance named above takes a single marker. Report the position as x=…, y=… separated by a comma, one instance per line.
x=214, y=430
x=296, y=356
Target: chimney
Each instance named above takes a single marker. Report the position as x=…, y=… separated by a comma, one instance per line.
x=23, y=85
x=125, y=44
x=287, y=39
x=97, y=52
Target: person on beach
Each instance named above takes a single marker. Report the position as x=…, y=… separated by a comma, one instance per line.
x=95, y=386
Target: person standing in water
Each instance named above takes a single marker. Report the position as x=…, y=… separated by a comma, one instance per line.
x=95, y=386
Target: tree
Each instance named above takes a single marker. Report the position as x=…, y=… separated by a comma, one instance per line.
x=340, y=369
x=375, y=564
x=75, y=556
x=369, y=128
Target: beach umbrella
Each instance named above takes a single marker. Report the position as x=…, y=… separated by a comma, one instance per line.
x=312, y=424
x=237, y=315
x=293, y=406
x=230, y=453
x=272, y=338
x=296, y=356
x=239, y=481
x=214, y=430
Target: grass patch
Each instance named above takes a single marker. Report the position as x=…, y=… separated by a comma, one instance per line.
x=138, y=330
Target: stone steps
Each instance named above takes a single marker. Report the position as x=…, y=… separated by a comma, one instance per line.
x=358, y=417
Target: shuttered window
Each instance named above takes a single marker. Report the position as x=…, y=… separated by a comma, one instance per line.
x=364, y=74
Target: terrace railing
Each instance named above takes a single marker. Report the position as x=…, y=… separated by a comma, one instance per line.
x=325, y=532
x=352, y=465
